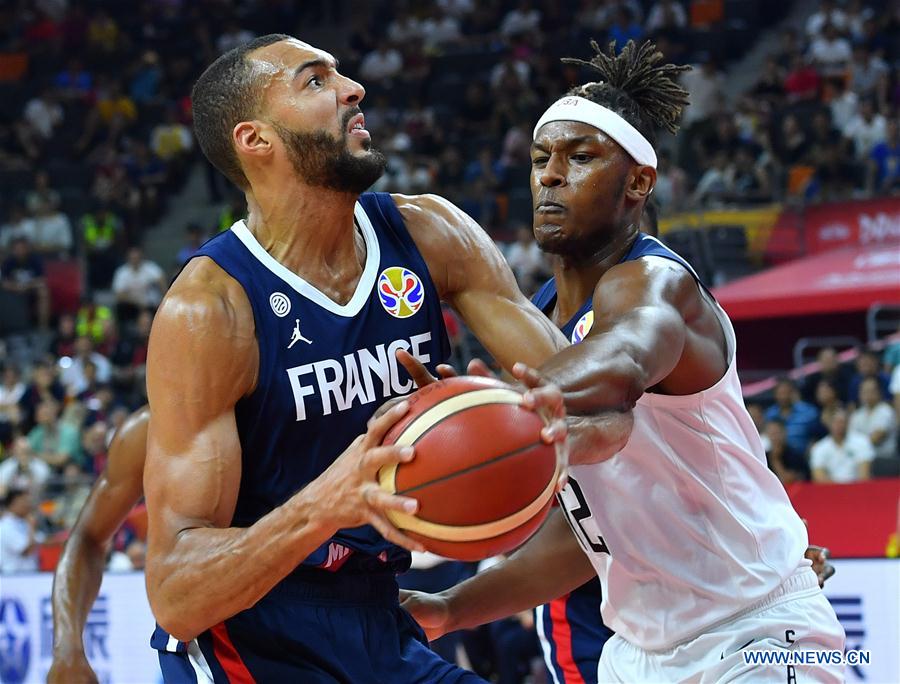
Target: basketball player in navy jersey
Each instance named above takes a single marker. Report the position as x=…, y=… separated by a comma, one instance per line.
x=79, y=572
x=269, y=554
x=670, y=502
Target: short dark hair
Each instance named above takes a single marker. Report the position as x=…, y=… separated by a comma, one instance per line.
x=225, y=94
x=635, y=87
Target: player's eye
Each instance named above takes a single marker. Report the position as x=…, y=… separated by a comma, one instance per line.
x=581, y=158
x=315, y=80
x=539, y=161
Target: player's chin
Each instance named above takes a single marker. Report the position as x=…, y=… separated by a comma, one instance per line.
x=550, y=237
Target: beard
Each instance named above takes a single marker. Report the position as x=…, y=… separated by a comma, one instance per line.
x=324, y=161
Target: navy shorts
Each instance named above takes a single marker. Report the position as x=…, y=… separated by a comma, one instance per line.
x=334, y=628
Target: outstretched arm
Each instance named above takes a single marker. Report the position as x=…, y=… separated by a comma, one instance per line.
x=202, y=359
x=80, y=569
x=549, y=565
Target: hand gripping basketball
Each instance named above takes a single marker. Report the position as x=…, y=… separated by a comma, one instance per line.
x=347, y=494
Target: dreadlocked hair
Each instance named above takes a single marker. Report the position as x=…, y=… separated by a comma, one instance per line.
x=632, y=85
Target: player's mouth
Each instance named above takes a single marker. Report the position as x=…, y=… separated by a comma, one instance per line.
x=357, y=127
x=548, y=207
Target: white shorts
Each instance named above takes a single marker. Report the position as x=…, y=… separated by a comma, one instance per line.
x=794, y=617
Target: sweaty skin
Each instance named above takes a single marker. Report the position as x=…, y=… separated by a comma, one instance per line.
x=653, y=331
x=80, y=569
x=203, y=359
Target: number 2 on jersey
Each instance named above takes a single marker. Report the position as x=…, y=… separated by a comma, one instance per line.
x=577, y=514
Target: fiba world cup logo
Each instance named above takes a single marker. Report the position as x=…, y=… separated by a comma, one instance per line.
x=400, y=291
x=583, y=327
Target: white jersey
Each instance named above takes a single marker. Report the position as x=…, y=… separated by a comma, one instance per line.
x=686, y=526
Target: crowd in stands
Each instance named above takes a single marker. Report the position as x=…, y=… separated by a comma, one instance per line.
x=96, y=140
x=838, y=425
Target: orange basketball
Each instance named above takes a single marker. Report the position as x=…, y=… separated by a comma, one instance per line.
x=483, y=477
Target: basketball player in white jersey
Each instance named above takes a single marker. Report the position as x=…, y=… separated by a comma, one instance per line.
x=698, y=549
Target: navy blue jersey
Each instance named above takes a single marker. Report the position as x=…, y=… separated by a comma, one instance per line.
x=570, y=628
x=324, y=368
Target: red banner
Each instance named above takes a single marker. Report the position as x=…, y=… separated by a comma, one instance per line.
x=858, y=223
x=852, y=520
x=822, y=227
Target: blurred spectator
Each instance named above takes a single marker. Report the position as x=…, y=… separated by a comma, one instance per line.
x=55, y=441
x=706, y=84
x=23, y=273
x=712, y=187
x=65, y=507
x=22, y=469
x=670, y=191
x=12, y=389
x=526, y=260
x=63, y=343
x=382, y=64
x=95, y=321
x=147, y=79
x=844, y=106
x=93, y=444
x=788, y=464
x=43, y=114
x=232, y=36
x=828, y=401
x=792, y=145
x=524, y=18
x=884, y=161
x=42, y=198
x=857, y=14
x=44, y=386
x=868, y=75
x=830, y=369
x=131, y=560
x=195, y=237
x=52, y=232
x=147, y=173
x=18, y=225
x=624, y=27
x=19, y=538
x=74, y=82
x=113, y=112
x=439, y=30
x=802, y=80
x=828, y=13
x=745, y=180
x=100, y=230
x=138, y=283
x=770, y=85
x=130, y=355
x=830, y=52
x=842, y=456
x=835, y=177
x=170, y=140
x=891, y=357
x=666, y=15
x=103, y=34
x=866, y=129
x=800, y=419
x=74, y=371
x=758, y=415
x=868, y=365
x=875, y=419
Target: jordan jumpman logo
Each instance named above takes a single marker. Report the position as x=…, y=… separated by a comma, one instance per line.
x=296, y=336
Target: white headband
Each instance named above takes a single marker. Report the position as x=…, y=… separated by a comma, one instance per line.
x=574, y=108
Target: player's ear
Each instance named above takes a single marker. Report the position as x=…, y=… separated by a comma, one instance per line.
x=252, y=138
x=640, y=182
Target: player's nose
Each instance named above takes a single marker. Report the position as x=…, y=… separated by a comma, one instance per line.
x=351, y=92
x=553, y=174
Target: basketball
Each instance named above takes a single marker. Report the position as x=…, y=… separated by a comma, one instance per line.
x=482, y=475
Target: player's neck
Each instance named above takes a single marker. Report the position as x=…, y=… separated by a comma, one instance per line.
x=311, y=232
x=576, y=279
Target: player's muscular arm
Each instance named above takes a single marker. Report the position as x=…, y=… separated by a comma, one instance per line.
x=80, y=569
x=474, y=278
x=202, y=359
x=550, y=564
x=652, y=330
